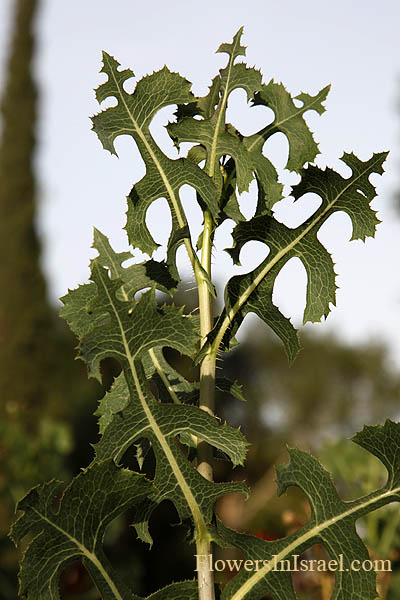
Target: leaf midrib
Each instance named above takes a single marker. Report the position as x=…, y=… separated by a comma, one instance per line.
x=90, y=555
x=116, y=266
x=221, y=115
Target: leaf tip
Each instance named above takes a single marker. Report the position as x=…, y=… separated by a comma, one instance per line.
x=234, y=49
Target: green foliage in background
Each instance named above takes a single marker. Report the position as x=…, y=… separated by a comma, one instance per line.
x=151, y=410
x=37, y=371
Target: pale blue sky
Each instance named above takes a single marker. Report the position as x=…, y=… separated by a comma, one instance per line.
x=352, y=45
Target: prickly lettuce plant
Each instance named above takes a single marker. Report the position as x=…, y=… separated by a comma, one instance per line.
x=152, y=408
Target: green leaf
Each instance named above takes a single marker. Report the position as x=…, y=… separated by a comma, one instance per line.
x=235, y=76
x=317, y=261
x=197, y=154
x=234, y=49
x=94, y=311
x=112, y=402
x=76, y=308
x=216, y=137
x=130, y=280
x=126, y=331
x=177, y=388
x=175, y=479
x=232, y=77
x=204, y=105
x=289, y=119
x=259, y=302
x=172, y=386
x=176, y=239
x=247, y=151
x=227, y=386
x=76, y=530
x=229, y=204
x=240, y=76
x=172, y=419
x=183, y=590
x=269, y=188
x=207, y=104
x=332, y=525
x=164, y=176
x=352, y=195
x=204, y=133
x=252, y=292
x=138, y=276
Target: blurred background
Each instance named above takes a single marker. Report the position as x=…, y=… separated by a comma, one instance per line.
x=56, y=183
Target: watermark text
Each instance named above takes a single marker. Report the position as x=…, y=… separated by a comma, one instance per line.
x=293, y=565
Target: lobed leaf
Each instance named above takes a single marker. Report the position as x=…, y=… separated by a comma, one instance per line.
x=332, y=524
x=137, y=276
x=76, y=530
x=113, y=402
x=204, y=133
x=216, y=138
x=234, y=49
x=164, y=176
x=252, y=292
x=171, y=385
x=111, y=322
x=166, y=422
x=127, y=330
x=183, y=590
x=353, y=195
x=289, y=119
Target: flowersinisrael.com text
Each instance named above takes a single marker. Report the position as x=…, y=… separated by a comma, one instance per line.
x=295, y=564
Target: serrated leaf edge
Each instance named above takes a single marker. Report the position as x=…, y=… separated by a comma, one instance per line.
x=245, y=295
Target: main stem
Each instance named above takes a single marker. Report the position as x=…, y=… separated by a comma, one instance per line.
x=207, y=369
x=207, y=393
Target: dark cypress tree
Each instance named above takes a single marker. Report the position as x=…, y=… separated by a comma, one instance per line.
x=40, y=384
x=26, y=323
x=38, y=375
x=36, y=349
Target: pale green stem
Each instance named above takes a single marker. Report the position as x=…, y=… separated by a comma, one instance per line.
x=207, y=369
x=205, y=575
x=207, y=391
